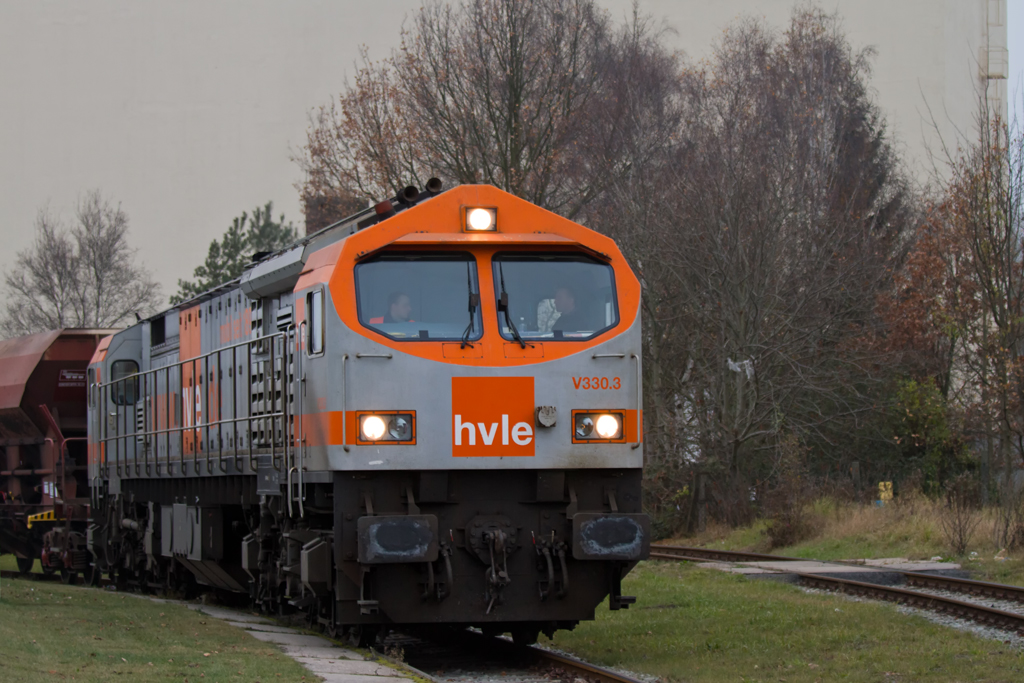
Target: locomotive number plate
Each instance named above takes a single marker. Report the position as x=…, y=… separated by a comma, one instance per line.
x=596, y=383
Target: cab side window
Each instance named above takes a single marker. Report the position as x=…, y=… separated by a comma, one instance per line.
x=315, y=322
x=124, y=388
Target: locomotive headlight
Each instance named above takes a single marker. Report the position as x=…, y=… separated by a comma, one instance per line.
x=399, y=428
x=372, y=427
x=481, y=220
x=608, y=426
x=584, y=426
x=598, y=426
x=387, y=427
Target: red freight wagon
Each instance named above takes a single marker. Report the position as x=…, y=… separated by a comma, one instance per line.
x=44, y=488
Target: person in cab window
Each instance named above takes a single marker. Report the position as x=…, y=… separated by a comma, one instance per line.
x=570, y=319
x=399, y=310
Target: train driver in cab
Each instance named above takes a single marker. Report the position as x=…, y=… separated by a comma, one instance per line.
x=570, y=318
x=399, y=310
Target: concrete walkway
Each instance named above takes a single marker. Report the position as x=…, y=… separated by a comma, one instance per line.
x=883, y=571
x=320, y=656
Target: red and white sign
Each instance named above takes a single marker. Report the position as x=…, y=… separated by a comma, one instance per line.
x=71, y=379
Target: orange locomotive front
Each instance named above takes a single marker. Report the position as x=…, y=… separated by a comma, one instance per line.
x=427, y=413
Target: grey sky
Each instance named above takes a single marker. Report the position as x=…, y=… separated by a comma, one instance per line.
x=188, y=112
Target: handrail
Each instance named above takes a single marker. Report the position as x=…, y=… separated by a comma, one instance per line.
x=195, y=421
x=609, y=355
x=288, y=486
x=253, y=465
x=275, y=459
x=234, y=408
x=148, y=382
x=639, y=405
x=300, y=440
x=145, y=452
x=207, y=413
x=344, y=391
x=344, y=401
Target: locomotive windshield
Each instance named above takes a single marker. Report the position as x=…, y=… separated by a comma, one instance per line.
x=419, y=296
x=557, y=297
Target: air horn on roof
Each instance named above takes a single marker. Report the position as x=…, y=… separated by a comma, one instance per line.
x=407, y=198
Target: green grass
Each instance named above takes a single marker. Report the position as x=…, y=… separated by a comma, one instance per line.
x=10, y=563
x=987, y=569
x=689, y=624
x=700, y=625
x=50, y=632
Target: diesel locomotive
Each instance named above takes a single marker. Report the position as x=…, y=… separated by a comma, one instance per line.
x=428, y=413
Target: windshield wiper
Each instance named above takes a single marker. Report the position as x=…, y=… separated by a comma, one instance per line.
x=503, y=307
x=474, y=301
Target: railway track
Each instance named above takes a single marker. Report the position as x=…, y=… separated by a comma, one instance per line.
x=469, y=656
x=691, y=554
x=986, y=615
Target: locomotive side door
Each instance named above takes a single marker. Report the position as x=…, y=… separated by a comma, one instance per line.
x=118, y=405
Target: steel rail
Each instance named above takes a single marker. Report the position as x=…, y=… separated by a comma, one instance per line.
x=988, y=616
x=576, y=667
x=968, y=610
x=589, y=672
x=512, y=656
x=672, y=552
x=1000, y=591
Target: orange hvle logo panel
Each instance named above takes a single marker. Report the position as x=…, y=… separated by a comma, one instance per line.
x=492, y=416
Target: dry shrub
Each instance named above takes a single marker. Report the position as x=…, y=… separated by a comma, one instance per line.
x=855, y=520
x=960, y=515
x=791, y=518
x=791, y=526
x=1009, y=523
x=909, y=497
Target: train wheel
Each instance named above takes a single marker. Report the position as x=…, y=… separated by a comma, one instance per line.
x=362, y=636
x=332, y=630
x=119, y=578
x=68, y=577
x=25, y=564
x=525, y=636
x=93, y=576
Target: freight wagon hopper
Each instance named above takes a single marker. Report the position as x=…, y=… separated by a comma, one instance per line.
x=428, y=413
x=44, y=490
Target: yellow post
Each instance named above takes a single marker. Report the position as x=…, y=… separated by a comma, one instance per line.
x=884, y=491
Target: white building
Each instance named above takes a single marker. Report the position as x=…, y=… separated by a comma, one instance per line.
x=934, y=58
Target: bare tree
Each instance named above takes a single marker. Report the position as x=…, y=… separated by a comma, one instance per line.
x=771, y=227
x=521, y=94
x=985, y=214
x=85, y=275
